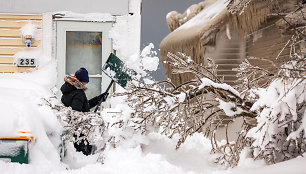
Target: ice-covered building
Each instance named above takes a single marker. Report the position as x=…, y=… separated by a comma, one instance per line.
x=228, y=31
x=75, y=33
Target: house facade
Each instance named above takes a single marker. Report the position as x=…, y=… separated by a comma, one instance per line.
x=74, y=33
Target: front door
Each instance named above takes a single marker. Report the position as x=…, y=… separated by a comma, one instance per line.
x=84, y=44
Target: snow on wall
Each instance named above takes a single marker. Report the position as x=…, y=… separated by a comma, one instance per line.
x=126, y=41
x=134, y=6
x=48, y=33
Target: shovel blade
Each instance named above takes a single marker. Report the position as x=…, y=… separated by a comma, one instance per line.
x=118, y=71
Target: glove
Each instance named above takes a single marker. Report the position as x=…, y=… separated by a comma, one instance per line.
x=103, y=96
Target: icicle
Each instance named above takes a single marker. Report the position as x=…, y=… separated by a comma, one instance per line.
x=228, y=31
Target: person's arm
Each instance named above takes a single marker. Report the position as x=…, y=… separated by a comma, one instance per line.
x=94, y=101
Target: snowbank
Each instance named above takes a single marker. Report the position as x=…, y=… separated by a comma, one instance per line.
x=20, y=112
x=294, y=166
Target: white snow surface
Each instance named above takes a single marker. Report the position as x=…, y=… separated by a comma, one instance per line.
x=229, y=108
x=278, y=100
x=29, y=29
x=149, y=59
x=224, y=86
x=151, y=154
x=110, y=73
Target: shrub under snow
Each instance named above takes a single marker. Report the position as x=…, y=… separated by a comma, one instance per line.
x=280, y=133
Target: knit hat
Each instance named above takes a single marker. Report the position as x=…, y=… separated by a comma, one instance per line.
x=82, y=75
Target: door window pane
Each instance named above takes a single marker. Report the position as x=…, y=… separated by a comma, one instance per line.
x=83, y=49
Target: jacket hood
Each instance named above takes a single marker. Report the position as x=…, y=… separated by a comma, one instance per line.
x=72, y=83
x=67, y=88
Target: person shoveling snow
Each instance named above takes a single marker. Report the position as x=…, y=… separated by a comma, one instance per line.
x=74, y=92
x=74, y=96
x=75, y=86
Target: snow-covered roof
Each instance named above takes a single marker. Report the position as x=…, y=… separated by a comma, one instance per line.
x=206, y=15
x=190, y=34
x=190, y=37
x=197, y=19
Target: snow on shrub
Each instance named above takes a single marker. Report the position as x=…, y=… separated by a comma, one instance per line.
x=280, y=133
x=194, y=106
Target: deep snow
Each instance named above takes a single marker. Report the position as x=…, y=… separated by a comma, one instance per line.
x=20, y=111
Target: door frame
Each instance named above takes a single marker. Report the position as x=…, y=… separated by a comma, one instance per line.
x=62, y=27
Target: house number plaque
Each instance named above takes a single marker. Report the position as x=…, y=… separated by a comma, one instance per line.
x=26, y=62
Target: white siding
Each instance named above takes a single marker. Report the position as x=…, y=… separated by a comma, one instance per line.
x=115, y=7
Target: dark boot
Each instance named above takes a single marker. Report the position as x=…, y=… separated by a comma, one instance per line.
x=83, y=147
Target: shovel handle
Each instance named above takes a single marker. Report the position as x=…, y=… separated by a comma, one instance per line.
x=107, y=89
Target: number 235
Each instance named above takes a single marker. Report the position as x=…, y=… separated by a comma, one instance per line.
x=27, y=61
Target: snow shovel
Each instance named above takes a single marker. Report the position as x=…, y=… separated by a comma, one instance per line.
x=118, y=72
